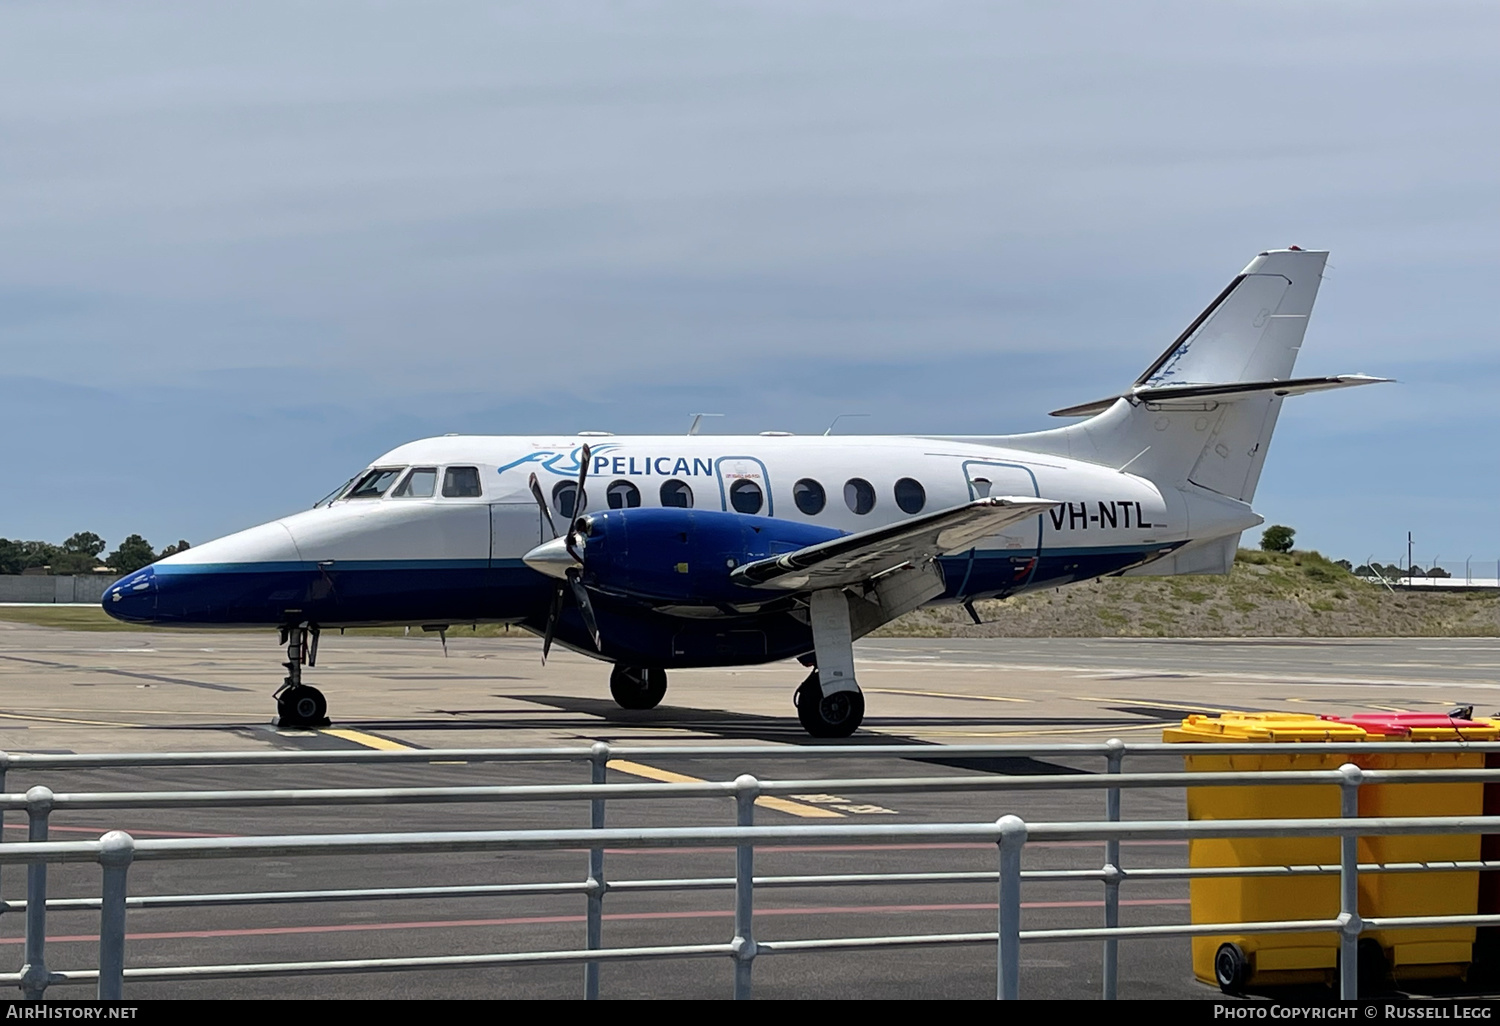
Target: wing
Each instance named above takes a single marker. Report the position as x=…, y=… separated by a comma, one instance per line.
x=859, y=557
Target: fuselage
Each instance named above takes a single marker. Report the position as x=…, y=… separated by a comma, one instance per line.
x=440, y=539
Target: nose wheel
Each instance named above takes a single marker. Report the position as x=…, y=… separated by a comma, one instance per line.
x=298, y=704
x=302, y=706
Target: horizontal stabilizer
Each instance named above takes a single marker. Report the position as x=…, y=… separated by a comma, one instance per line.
x=856, y=558
x=1167, y=394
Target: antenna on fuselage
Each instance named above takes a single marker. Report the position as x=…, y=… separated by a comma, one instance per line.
x=841, y=417
x=698, y=421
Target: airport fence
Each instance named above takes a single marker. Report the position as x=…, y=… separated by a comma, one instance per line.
x=117, y=851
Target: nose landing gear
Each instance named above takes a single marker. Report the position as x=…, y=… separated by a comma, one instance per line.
x=298, y=704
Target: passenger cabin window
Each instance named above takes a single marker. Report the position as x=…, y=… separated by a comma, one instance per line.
x=809, y=496
x=374, y=483
x=461, y=483
x=677, y=494
x=623, y=495
x=745, y=496
x=910, y=495
x=419, y=483
x=859, y=495
x=981, y=487
x=564, y=500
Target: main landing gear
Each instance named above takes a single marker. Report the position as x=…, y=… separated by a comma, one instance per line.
x=297, y=704
x=634, y=687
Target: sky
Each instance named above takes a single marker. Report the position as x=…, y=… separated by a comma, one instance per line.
x=246, y=248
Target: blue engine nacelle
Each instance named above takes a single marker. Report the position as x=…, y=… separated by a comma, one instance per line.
x=685, y=555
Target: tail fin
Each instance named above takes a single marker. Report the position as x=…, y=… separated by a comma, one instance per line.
x=1203, y=412
x=1252, y=331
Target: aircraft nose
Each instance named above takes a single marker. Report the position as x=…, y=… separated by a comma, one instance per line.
x=553, y=558
x=133, y=597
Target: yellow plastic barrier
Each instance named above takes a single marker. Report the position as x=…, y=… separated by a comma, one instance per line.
x=1442, y=951
x=1236, y=961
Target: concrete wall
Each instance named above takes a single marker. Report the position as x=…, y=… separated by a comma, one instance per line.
x=62, y=588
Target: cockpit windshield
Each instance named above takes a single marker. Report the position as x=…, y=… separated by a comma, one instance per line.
x=333, y=495
x=373, y=483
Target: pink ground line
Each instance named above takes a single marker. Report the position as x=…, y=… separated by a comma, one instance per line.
x=954, y=846
x=441, y=924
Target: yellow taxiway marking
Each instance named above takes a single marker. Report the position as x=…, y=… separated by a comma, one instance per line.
x=637, y=769
x=945, y=694
x=359, y=737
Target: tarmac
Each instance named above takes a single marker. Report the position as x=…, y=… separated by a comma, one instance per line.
x=64, y=691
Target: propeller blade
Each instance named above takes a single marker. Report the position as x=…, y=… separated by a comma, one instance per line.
x=541, y=501
x=552, y=615
x=579, y=500
x=585, y=607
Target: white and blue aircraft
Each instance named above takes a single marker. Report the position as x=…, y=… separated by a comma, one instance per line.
x=727, y=550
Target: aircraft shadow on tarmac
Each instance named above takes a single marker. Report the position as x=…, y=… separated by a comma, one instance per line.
x=597, y=716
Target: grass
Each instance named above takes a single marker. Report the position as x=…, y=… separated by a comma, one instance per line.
x=73, y=618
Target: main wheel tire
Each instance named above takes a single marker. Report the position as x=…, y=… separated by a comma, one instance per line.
x=634, y=687
x=1231, y=969
x=302, y=706
x=836, y=715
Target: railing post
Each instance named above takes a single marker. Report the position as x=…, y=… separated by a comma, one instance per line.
x=1114, y=756
x=746, y=789
x=598, y=774
x=1008, y=954
x=34, y=972
x=1349, y=921
x=4, y=767
x=116, y=850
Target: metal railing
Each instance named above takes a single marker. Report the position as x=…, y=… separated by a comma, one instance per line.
x=116, y=851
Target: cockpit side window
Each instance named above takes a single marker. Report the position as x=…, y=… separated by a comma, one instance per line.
x=373, y=483
x=461, y=483
x=418, y=484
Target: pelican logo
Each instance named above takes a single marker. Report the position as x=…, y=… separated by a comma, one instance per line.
x=566, y=464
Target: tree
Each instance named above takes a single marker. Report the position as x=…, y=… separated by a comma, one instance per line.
x=79, y=554
x=172, y=550
x=1277, y=538
x=84, y=543
x=16, y=556
x=134, y=552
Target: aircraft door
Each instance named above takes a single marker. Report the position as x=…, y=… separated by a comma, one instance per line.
x=744, y=485
x=1006, y=560
x=515, y=529
x=515, y=589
